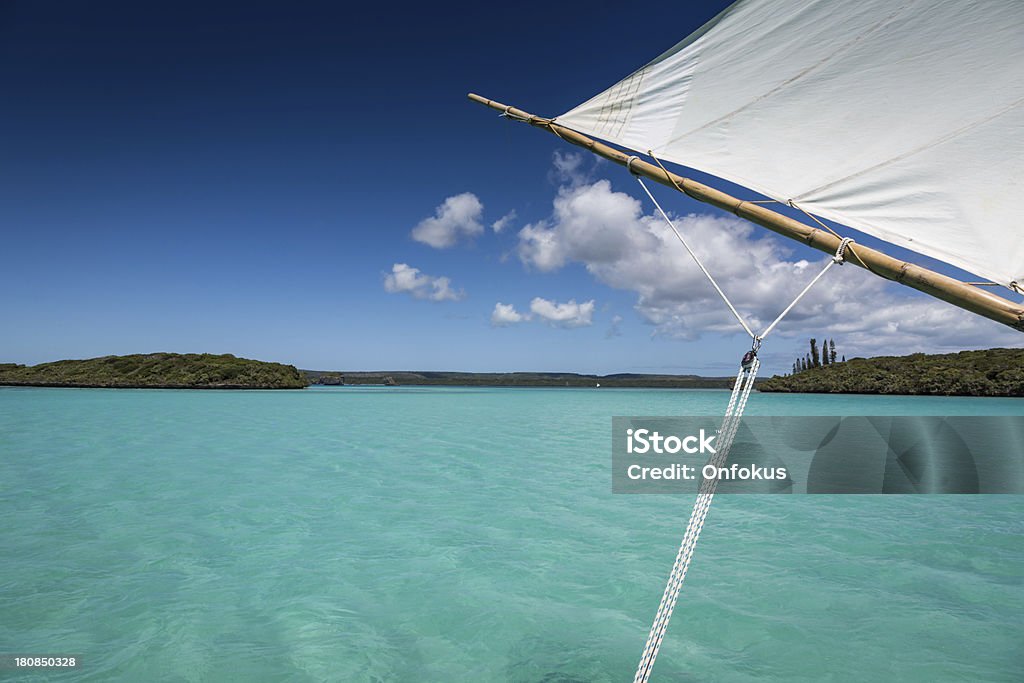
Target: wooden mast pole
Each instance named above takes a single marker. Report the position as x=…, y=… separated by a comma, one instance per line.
x=922, y=279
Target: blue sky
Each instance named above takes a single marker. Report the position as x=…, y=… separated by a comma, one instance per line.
x=207, y=177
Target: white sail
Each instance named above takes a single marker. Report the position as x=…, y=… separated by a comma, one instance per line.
x=904, y=120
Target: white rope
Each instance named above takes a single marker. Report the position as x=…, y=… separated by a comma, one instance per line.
x=695, y=258
x=838, y=258
x=730, y=425
x=737, y=403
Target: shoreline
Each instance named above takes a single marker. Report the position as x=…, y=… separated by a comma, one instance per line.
x=180, y=387
x=227, y=388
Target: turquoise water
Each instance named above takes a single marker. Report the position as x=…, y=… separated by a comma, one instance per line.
x=370, y=534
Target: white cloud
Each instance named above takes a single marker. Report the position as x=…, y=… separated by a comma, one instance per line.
x=504, y=221
x=567, y=168
x=405, y=278
x=458, y=216
x=506, y=314
x=569, y=314
x=590, y=224
x=623, y=247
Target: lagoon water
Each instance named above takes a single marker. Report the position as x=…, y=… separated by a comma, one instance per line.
x=457, y=534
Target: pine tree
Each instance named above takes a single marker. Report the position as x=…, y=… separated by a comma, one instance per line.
x=844, y=357
x=832, y=350
x=794, y=368
x=815, y=359
x=808, y=364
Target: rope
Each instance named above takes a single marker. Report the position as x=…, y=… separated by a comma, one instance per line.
x=853, y=250
x=790, y=203
x=532, y=120
x=701, y=507
x=838, y=258
x=726, y=434
x=696, y=259
x=668, y=175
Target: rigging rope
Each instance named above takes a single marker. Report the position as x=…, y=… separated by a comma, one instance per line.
x=693, y=255
x=839, y=258
x=730, y=424
x=701, y=507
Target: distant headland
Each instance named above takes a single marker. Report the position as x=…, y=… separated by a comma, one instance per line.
x=157, y=371
x=517, y=379
x=208, y=371
x=991, y=372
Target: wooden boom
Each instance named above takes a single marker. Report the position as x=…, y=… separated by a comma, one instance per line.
x=922, y=279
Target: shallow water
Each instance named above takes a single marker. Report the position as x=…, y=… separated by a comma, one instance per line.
x=445, y=534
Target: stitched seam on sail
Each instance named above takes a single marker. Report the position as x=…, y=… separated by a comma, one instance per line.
x=917, y=150
x=615, y=112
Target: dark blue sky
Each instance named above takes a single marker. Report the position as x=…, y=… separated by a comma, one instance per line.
x=239, y=177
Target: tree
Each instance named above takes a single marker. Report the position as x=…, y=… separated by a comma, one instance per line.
x=815, y=359
x=808, y=364
x=795, y=369
x=832, y=351
x=844, y=357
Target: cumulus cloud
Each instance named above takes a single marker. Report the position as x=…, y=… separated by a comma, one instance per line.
x=458, y=216
x=591, y=224
x=568, y=168
x=610, y=234
x=405, y=278
x=569, y=314
x=504, y=221
x=506, y=314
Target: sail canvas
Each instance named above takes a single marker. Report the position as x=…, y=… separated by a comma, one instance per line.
x=902, y=120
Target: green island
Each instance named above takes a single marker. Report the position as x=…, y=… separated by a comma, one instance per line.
x=156, y=371
x=991, y=372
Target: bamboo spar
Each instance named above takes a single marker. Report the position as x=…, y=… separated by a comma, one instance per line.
x=922, y=279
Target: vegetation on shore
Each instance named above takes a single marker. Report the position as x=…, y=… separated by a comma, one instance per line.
x=992, y=372
x=828, y=356
x=157, y=371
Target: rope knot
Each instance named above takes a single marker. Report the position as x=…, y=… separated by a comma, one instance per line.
x=629, y=164
x=840, y=256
